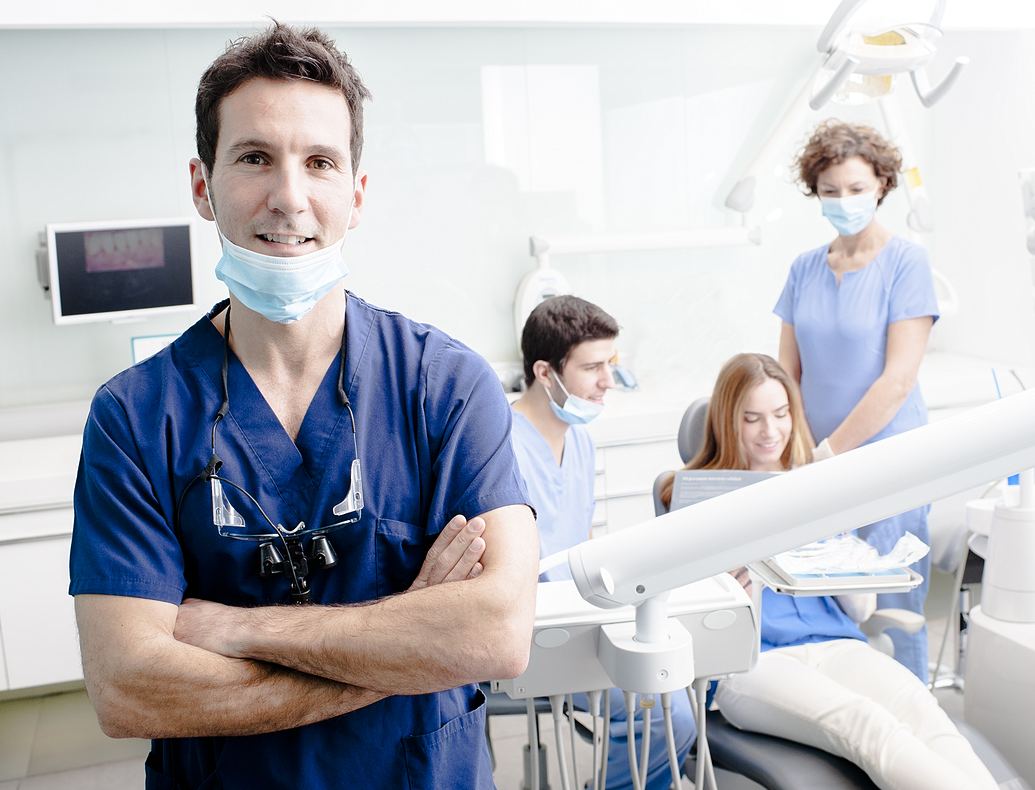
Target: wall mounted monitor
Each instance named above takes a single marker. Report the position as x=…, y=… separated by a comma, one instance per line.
x=109, y=271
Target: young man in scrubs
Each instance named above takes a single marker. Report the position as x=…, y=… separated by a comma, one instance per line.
x=568, y=346
x=250, y=424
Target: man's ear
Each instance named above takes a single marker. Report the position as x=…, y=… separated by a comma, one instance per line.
x=541, y=371
x=198, y=192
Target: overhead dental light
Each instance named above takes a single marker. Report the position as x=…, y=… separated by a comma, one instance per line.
x=862, y=65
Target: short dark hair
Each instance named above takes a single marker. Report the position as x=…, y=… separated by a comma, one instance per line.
x=280, y=53
x=557, y=325
x=834, y=141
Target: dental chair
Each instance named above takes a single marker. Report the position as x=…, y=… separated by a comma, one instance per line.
x=780, y=764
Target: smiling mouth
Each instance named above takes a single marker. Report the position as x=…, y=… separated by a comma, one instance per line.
x=277, y=238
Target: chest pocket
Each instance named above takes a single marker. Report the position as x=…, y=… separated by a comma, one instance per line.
x=400, y=548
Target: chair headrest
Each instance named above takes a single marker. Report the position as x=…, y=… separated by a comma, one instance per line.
x=690, y=438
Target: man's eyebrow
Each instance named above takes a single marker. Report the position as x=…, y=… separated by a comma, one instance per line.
x=247, y=145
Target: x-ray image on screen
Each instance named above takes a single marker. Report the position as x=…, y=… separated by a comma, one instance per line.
x=103, y=272
x=122, y=250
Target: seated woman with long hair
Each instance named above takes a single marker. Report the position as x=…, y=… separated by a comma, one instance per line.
x=817, y=680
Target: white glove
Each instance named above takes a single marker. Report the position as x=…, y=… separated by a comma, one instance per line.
x=823, y=451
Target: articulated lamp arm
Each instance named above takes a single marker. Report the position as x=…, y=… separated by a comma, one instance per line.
x=848, y=491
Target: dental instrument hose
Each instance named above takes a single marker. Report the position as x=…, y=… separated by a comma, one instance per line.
x=630, y=744
x=594, y=709
x=647, y=704
x=670, y=737
x=556, y=707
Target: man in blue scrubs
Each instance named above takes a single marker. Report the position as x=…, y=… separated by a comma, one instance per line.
x=568, y=346
x=250, y=425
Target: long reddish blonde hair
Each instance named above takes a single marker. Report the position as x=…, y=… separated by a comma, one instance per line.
x=721, y=449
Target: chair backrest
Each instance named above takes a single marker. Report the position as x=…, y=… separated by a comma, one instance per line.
x=689, y=440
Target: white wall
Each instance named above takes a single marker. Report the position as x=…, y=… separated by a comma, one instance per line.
x=476, y=138
x=983, y=133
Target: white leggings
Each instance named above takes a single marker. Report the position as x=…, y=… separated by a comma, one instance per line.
x=848, y=699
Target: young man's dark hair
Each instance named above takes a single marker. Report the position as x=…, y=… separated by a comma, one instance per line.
x=559, y=324
x=280, y=53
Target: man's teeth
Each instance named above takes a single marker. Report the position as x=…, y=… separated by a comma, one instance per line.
x=284, y=239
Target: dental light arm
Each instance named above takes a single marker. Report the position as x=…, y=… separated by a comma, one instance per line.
x=817, y=501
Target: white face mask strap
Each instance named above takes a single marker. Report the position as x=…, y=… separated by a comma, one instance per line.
x=560, y=384
x=211, y=203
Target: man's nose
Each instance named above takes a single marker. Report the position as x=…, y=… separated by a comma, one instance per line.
x=287, y=194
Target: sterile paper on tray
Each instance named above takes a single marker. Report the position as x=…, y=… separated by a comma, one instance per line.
x=849, y=554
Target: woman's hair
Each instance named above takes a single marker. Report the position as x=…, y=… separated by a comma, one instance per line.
x=721, y=449
x=834, y=141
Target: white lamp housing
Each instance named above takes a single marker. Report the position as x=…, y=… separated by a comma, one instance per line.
x=822, y=499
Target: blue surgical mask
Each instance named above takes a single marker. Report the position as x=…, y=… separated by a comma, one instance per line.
x=575, y=411
x=851, y=214
x=281, y=289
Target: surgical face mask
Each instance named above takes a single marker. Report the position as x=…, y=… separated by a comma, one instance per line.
x=281, y=289
x=851, y=214
x=575, y=411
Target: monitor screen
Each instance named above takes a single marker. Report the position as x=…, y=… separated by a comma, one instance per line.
x=108, y=271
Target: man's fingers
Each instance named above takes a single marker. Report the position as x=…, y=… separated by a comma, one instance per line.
x=455, y=554
x=428, y=568
x=471, y=556
x=476, y=571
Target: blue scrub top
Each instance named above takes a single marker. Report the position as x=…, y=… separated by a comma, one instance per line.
x=801, y=620
x=433, y=429
x=842, y=330
x=562, y=494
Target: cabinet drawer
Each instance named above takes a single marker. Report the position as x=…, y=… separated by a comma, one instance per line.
x=37, y=617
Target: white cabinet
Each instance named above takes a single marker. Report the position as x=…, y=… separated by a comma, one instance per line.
x=37, y=618
x=629, y=468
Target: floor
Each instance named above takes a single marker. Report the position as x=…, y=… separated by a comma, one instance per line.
x=508, y=736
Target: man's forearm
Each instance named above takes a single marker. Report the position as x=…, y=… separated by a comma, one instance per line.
x=405, y=644
x=184, y=691
x=424, y=640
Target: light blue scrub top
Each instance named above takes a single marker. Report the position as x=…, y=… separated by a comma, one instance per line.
x=842, y=330
x=562, y=495
x=842, y=334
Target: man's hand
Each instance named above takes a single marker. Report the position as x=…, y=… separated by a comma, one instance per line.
x=455, y=555
x=208, y=625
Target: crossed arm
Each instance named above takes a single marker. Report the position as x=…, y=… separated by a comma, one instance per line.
x=156, y=670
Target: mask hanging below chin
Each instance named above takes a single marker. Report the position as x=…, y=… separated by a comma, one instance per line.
x=576, y=410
